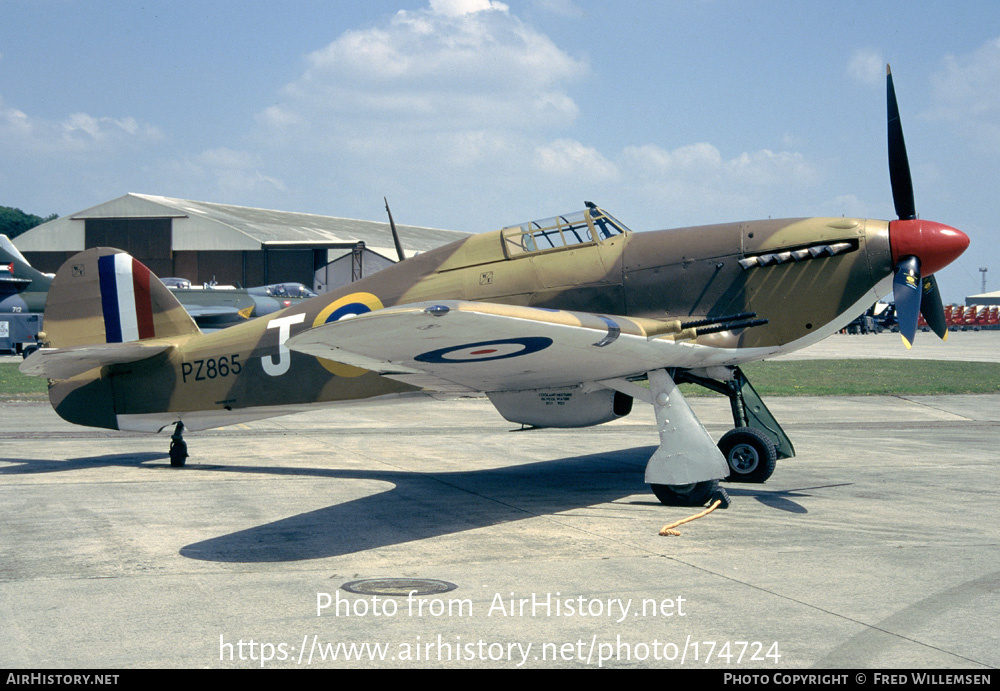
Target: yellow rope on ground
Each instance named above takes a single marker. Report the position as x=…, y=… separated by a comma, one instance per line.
x=668, y=530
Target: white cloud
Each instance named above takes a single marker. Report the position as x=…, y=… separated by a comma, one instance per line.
x=766, y=168
x=472, y=148
x=705, y=162
x=696, y=183
x=966, y=92
x=55, y=163
x=458, y=8
x=651, y=159
x=570, y=159
x=793, y=141
x=465, y=104
x=459, y=94
x=458, y=65
x=867, y=66
x=102, y=129
x=77, y=133
x=278, y=117
x=14, y=123
x=223, y=173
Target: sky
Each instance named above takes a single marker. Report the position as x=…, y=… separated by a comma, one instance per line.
x=477, y=114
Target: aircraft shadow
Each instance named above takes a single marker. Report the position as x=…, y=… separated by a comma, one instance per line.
x=419, y=505
x=27, y=466
x=425, y=505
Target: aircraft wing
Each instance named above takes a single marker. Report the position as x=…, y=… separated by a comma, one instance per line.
x=485, y=347
x=214, y=317
x=198, y=311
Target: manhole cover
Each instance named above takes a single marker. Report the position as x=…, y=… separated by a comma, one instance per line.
x=398, y=587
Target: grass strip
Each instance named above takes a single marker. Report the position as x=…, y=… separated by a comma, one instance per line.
x=13, y=384
x=886, y=377
x=876, y=377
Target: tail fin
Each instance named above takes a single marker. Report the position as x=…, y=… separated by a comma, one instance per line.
x=104, y=295
x=16, y=272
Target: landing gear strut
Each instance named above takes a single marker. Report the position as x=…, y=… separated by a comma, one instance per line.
x=754, y=446
x=178, y=447
x=684, y=469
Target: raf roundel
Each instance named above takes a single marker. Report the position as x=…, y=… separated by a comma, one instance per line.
x=486, y=351
x=348, y=306
x=344, y=308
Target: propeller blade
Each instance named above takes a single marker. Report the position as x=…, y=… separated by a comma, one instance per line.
x=899, y=164
x=932, y=308
x=915, y=242
x=906, y=294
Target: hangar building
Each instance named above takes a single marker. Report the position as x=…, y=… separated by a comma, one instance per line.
x=202, y=241
x=983, y=299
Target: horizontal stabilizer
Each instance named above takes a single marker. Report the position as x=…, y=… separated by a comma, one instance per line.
x=10, y=284
x=63, y=363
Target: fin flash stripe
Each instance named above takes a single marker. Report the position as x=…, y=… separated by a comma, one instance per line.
x=125, y=298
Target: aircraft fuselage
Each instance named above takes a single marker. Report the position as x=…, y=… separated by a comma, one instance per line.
x=807, y=277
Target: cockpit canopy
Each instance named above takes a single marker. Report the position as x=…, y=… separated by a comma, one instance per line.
x=590, y=226
x=283, y=290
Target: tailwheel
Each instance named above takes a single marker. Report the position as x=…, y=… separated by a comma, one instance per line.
x=696, y=494
x=750, y=454
x=178, y=447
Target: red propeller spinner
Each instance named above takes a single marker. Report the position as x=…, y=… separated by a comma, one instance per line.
x=934, y=244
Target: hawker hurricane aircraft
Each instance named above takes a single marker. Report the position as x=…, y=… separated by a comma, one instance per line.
x=555, y=321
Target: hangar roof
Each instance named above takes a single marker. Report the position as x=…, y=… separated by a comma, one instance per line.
x=209, y=226
x=992, y=298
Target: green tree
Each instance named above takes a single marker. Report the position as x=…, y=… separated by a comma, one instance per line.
x=13, y=222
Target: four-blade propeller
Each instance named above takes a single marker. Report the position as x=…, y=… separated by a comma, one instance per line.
x=919, y=248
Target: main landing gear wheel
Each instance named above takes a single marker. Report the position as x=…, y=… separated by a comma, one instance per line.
x=178, y=447
x=696, y=494
x=750, y=454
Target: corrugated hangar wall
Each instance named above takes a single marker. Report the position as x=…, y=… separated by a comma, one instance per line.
x=149, y=241
x=247, y=267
